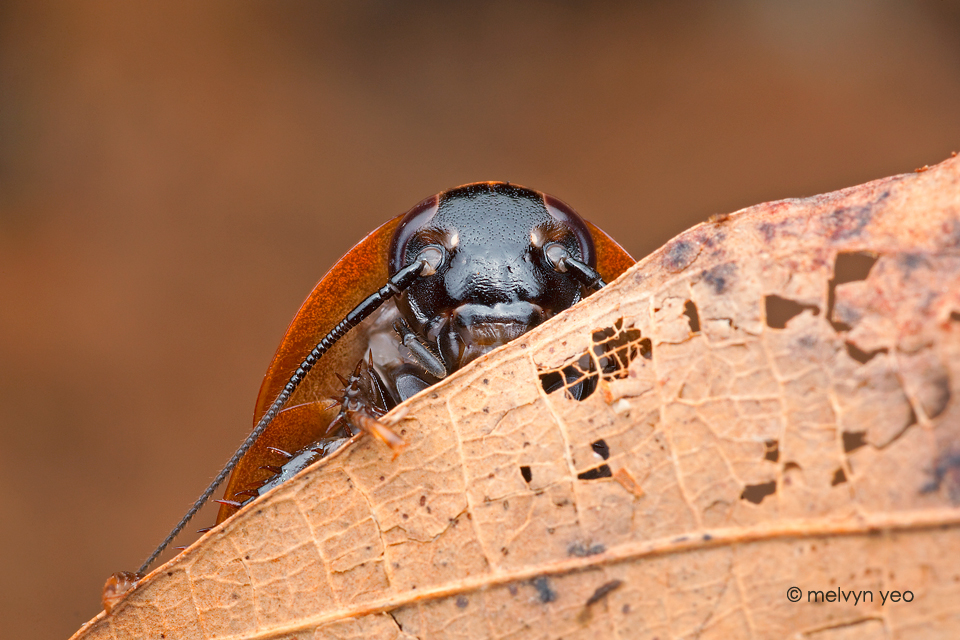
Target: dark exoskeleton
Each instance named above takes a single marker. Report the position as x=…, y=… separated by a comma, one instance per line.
x=470, y=269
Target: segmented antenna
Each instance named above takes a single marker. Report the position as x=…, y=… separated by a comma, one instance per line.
x=426, y=263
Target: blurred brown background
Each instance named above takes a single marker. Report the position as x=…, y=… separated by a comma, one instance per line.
x=174, y=179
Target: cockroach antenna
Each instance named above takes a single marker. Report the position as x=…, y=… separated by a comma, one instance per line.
x=427, y=261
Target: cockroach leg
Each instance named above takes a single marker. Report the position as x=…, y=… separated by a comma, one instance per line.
x=274, y=469
x=376, y=428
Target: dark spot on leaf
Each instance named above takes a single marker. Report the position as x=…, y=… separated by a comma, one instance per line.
x=603, y=591
x=580, y=550
x=720, y=277
x=848, y=222
x=462, y=602
x=908, y=262
x=768, y=230
x=544, y=592
x=946, y=474
x=679, y=254
x=423, y=500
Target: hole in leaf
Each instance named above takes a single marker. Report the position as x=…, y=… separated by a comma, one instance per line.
x=849, y=267
x=839, y=477
x=773, y=450
x=614, y=348
x=853, y=440
x=861, y=356
x=853, y=266
x=755, y=493
x=578, y=380
x=779, y=311
x=526, y=473
x=693, y=317
x=603, y=471
x=602, y=449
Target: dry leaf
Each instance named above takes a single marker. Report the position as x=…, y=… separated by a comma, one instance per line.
x=771, y=408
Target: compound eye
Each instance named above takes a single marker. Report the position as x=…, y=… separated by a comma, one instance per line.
x=565, y=215
x=431, y=257
x=556, y=254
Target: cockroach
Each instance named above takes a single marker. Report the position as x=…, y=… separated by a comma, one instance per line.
x=425, y=294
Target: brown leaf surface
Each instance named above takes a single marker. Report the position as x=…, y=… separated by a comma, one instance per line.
x=774, y=409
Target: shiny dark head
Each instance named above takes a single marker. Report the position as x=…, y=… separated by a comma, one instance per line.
x=470, y=269
x=496, y=280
